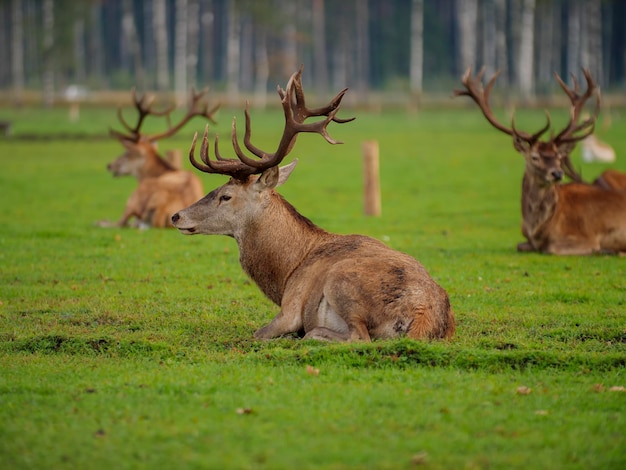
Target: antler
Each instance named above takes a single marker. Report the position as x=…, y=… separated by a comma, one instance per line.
x=295, y=111
x=474, y=89
x=144, y=109
x=577, y=104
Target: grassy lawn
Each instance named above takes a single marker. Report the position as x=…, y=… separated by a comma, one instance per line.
x=133, y=349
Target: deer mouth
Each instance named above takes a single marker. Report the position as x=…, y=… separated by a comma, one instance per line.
x=187, y=230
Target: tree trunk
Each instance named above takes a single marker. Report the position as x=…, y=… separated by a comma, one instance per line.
x=545, y=47
x=232, y=54
x=48, y=52
x=17, y=52
x=193, y=44
x=501, y=48
x=262, y=70
x=592, y=48
x=489, y=43
x=417, y=48
x=290, y=64
x=207, y=22
x=160, y=44
x=79, y=51
x=180, y=53
x=96, y=55
x=525, y=60
x=320, y=66
x=362, y=47
x=246, y=74
x=467, y=20
x=130, y=47
x=573, y=37
x=149, y=47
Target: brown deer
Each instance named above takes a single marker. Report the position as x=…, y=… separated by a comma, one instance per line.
x=328, y=286
x=163, y=187
x=561, y=219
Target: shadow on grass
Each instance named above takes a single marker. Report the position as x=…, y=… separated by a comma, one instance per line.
x=399, y=354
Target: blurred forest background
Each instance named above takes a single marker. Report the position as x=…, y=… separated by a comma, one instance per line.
x=411, y=50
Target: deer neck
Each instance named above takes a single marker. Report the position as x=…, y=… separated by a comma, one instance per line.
x=274, y=244
x=539, y=203
x=154, y=167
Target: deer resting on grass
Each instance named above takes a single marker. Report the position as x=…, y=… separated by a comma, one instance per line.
x=328, y=286
x=163, y=188
x=561, y=219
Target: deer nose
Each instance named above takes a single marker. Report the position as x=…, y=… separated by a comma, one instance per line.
x=175, y=218
x=557, y=175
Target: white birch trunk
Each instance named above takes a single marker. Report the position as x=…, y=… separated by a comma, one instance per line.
x=489, y=43
x=193, y=45
x=501, y=47
x=320, y=67
x=232, y=54
x=593, y=45
x=17, y=52
x=417, y=47
x=290, y=42
x=467, y=20
x=362, y=47
x=160, y=44
x=48, y=51
x=180, y=53
x=525, y=61
x=573, y=38
x=262, y=70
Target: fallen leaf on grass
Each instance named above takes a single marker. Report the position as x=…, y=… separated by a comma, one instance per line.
x=244, y=411
x=542, y=412
x=523, y=390
x=312, y=370
x=598, y=388
x=421, y=458
x=617, y=388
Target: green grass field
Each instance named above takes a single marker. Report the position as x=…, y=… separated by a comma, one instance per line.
x=134, y=349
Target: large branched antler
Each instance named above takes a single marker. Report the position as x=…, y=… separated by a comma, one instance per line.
x=474, y=89
x=295, y=111
x=570, y=131
x=573, y=131
x=144, y=104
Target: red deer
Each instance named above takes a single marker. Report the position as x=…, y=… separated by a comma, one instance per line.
x=163, y=187
x=594, y=150
x=612, y=180
x=328, y=286
x=561, y=219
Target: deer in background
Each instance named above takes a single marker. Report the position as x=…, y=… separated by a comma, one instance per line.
x=163, y=187
x=561, y=219
x=328, y=286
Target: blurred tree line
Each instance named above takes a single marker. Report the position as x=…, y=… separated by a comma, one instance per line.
x=247, y=46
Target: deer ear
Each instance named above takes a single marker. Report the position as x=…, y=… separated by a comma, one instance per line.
x=521, y=145
x=285, y=171
x=274, y=176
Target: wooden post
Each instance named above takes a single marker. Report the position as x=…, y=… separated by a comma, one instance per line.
x=371, y=178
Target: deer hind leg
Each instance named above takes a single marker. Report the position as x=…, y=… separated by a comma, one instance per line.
x=284, y=323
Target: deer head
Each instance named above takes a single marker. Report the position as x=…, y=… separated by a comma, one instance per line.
x=230, y=208
x=546, y=161
x=140, y=157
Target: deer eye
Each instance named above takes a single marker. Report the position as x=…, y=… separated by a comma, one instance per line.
x=224, y=197
x=534, y=157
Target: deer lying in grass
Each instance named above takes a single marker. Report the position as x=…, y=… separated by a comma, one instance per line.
x=328, y=286
x=594, y=150
x=560, y=219
x=163, y=187
x=611, y=180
